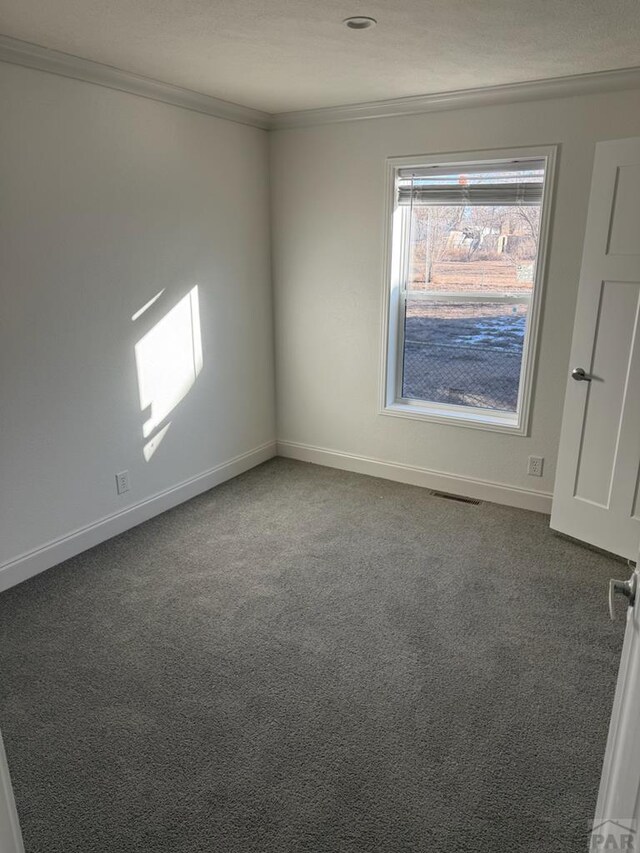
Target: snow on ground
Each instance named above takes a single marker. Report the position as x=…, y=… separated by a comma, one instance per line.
x=467, y=354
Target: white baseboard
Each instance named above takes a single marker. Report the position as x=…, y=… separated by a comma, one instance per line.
x=39, y=559
x=33, y=562
x=471, y=487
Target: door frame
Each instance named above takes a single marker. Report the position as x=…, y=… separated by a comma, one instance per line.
x=10, y=834
x=619, y=793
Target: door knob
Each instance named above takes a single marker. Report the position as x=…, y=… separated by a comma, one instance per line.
x=626, y=588
x=579, y=375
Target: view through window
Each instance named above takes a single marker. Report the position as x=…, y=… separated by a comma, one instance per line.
x=468, y=250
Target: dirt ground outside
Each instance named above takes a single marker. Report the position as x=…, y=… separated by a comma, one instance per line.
x=483, y=275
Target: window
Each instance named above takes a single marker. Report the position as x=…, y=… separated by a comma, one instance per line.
x=463, y=295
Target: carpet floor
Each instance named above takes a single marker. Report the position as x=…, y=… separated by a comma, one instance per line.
x=305, y=660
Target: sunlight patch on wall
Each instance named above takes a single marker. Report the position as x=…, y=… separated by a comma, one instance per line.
x=151, y=446
x=148, y=304
x=168, y=361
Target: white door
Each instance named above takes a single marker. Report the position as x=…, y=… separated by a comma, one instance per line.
x=596, y=496
x=616, y=826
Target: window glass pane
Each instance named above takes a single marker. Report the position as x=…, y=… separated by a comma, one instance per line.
x=470, y=276
x=464, y=353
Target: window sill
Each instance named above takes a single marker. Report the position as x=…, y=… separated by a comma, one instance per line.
x=504, y=422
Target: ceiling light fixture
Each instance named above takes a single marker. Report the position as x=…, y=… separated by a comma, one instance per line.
x=360, y=22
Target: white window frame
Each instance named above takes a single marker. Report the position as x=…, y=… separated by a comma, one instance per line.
x=394, y=297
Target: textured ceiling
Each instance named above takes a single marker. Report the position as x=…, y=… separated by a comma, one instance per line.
x=280, y=55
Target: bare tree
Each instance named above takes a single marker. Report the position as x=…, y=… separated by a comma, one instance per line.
x=530, y=217
x=484, y=221
x=433, y=227
x=481, y=225
x=524, y=223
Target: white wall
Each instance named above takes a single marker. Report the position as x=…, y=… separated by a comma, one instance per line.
x=328, y=203
x=106, y=198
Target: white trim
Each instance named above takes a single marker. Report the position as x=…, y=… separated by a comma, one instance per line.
x=619, y=791
x=472, y=487
x=606, y=805
x=451, y=415
x=39, y=559
x=394, y=276
x=10, y=835
x=30, y=55
x=593, y=83
x=64, y=64
x=514, y=298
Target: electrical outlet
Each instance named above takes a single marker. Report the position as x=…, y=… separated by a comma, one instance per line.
x=534, y=468
x=122, y=482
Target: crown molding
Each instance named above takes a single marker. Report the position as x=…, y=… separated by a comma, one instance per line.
x=535, y=90
x=30, y=55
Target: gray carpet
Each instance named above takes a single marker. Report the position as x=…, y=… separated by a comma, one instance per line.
x=305, y=660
